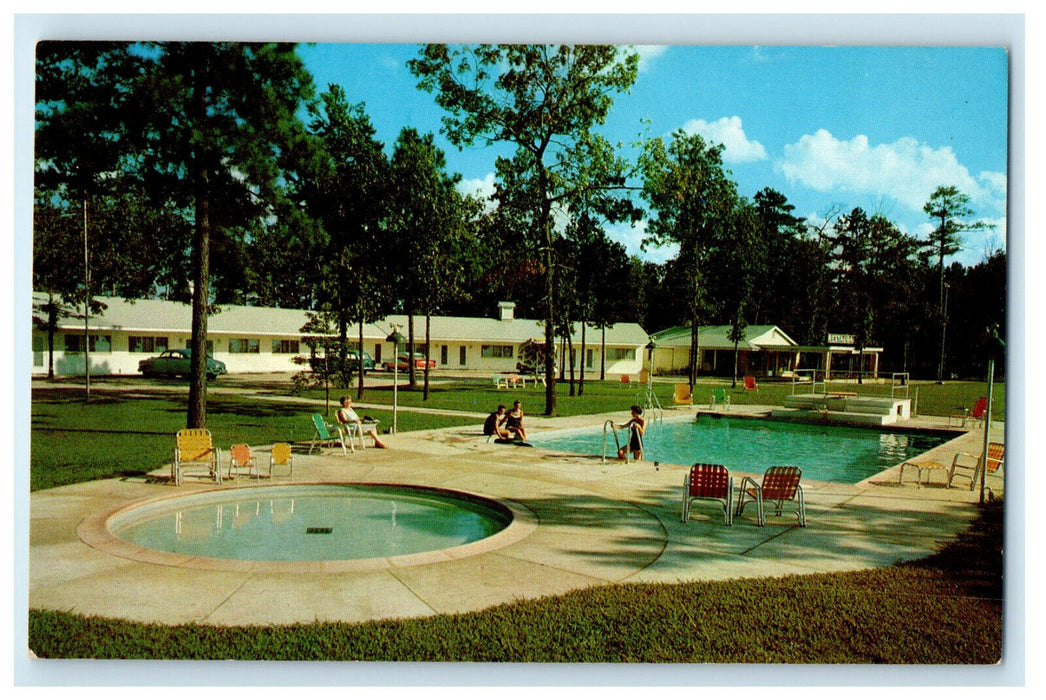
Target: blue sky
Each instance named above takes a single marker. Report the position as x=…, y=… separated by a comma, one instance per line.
x=871, y=127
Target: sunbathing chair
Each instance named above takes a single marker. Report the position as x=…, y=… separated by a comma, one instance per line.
x=996, y=454
x=354, y=432
x=780, y=484
x=979, y=410
x=720, y=398
x=750, y=384
x=709, y=482
x=241, y=458
x=322, y=434
x=281, y=457
x=683, y=395
x=500, y=381
x=193, y=446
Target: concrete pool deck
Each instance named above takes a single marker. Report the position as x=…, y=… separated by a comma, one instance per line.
x=594, y=523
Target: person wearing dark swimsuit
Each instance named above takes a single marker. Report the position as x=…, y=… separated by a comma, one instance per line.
x=636, y=427
x=514, y=421
x=492, y=426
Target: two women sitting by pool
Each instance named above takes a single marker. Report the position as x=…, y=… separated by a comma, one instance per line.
x=506, y=426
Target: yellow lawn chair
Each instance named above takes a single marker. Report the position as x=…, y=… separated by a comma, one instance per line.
x=193, y=446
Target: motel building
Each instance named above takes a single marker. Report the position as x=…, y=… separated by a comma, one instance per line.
x=266, y=340
x=766, y=351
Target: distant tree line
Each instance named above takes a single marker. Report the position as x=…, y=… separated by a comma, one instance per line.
x=213, y=173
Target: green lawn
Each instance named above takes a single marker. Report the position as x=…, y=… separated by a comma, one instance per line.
x=946, y=609
x=118, y=433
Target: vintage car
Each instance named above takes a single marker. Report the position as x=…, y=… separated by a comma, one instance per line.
x=176, y=363
x=354, y=360
x=401, y=361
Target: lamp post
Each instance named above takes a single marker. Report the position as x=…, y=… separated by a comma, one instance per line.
x=995, y=344
x=395, y=338
x=944, y=326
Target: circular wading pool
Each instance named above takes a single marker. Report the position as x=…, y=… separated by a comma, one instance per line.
x=337, y=526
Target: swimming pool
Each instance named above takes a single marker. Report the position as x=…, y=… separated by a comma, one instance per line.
x=305, y=523
x=824, y=452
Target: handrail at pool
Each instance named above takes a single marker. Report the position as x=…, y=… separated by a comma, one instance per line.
x=609, y=423
x=617, y=443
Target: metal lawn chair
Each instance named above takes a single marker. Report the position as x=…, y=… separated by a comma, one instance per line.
x=193, y=447
x=709, y=482
x=720, y=398
x=780, y=485
x=281, y=456
x=960, y=463
x=241, y=458
x=322, y=435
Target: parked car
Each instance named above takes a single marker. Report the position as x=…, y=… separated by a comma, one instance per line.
x=177, y=363
x=354, y=360
x=401, y=361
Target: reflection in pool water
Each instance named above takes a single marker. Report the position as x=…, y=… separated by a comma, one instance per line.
x=824, y=452
x=311, y=523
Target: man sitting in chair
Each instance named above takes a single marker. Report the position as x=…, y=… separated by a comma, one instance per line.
x=346, y=415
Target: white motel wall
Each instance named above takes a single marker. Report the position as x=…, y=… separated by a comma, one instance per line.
x=255, y=339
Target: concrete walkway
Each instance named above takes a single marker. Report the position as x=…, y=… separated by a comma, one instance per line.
x=588, y=524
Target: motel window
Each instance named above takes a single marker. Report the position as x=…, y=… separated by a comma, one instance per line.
x=462, y=356
x=615, y=354
x=243, y=345
x=589, y=358
x=495, y=351
x=99, y=343
x=444, y=355
x=210, y=346
x=146, y=343
x=285, y=347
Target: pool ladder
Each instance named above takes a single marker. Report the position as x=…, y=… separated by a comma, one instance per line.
x=617, y=443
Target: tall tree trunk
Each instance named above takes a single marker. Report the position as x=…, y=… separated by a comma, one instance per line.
x=570, y=358
x=428, y=349
x=87, y=310
x=201, y=259
x=603, y=354
x=550, y=288
x=52, y=324
x=359, y=356
x=411, y=373
x=581, y=379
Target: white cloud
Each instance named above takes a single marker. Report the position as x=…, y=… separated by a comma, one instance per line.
x=631, y=236
x=995, y=186
x=729, y=132
x=647, y=54
x=480, y=187
x=905, y=170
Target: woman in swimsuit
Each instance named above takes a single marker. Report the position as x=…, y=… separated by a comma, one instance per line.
x=514, y=421
x=636, y=426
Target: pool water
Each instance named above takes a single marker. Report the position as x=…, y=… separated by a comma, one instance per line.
x=825, y=453
x=310, y=523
